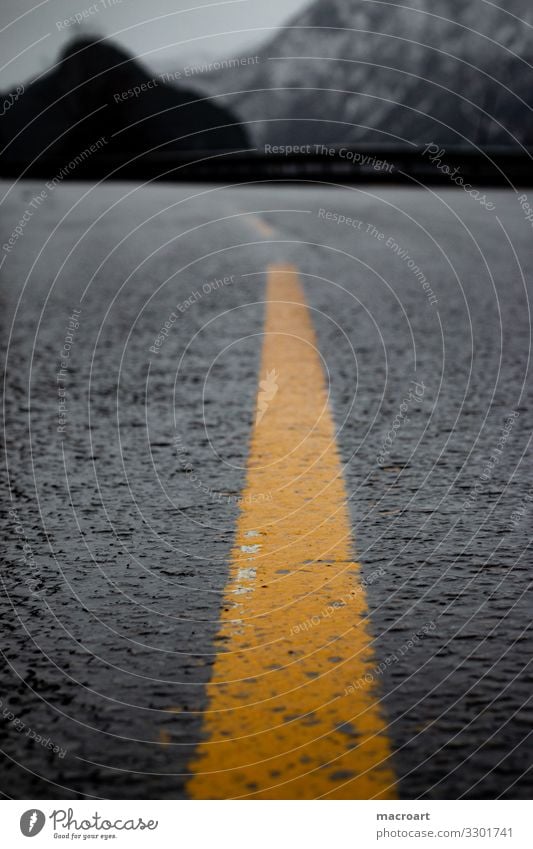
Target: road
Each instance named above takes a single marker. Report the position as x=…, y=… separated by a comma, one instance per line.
x=267, y=492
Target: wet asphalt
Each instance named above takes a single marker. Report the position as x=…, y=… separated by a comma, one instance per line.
x=131, y=324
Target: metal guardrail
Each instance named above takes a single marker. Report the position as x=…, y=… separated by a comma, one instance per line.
x=491, y=166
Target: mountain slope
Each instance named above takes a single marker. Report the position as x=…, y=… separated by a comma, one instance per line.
x=349, y=71
x=97, y=91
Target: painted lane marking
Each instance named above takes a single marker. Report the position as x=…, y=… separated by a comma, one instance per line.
x=290, y=713
x=262, y=227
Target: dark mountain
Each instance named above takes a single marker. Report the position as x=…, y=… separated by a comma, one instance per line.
x=354, y=71
x=97, y=90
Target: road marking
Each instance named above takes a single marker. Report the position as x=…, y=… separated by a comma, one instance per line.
x=262, y=226
x=164, y=737
x=290, y=713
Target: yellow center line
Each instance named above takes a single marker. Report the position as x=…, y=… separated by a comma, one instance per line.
x=261, y=225
x=291, y=713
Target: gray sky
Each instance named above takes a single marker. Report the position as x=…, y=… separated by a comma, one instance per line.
x=170, y=31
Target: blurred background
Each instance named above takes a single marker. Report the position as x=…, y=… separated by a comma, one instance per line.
x=246, y=76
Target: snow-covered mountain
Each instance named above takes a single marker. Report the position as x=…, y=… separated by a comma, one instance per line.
x=360, y=71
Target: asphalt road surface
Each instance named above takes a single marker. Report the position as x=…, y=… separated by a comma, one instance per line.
x=267, y=492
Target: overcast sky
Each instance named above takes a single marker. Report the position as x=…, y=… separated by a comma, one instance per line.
x=169, y=32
